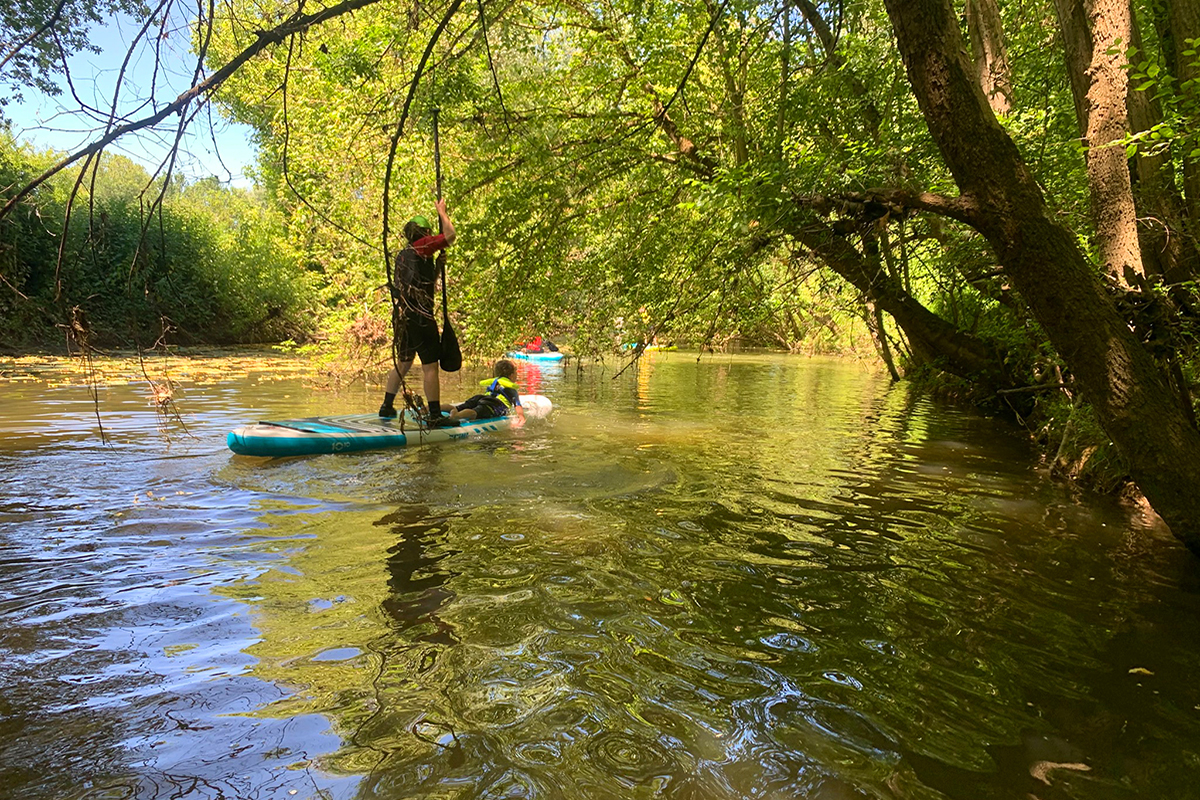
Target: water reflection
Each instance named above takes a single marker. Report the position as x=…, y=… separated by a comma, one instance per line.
x=537, y=377
x=417, y=586
x=862, y=595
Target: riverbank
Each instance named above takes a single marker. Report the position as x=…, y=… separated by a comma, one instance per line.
x=194, y=364
x=1069, y=442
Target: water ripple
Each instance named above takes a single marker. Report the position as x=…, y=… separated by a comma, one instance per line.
x=872, y=596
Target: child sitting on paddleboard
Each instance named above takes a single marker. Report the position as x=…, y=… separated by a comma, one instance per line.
x=499, y=399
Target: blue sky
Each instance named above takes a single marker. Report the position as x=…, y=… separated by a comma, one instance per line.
x=222, y=148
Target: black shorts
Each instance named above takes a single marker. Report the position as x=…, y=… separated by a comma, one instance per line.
x=485, y=407
x=419, y=337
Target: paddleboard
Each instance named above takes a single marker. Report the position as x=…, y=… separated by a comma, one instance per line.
x=552, y=355
x=348, y=433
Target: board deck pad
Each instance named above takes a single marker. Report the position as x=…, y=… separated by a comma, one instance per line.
x=347, y=433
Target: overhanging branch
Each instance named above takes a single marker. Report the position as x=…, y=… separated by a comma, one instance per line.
x=882, y=202
x=297, y=23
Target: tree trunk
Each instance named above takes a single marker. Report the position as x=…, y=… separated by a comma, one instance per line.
x=733, y=69
x=874, y=319
x=1096, y=34
x=930, y=337
x=1108, y=122
x=1118, y=376
x=1159, y=204
x=1185, y=26
x=990, y=55
x=785, y=72
x=1077, y=46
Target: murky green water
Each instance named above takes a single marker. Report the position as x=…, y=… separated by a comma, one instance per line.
x=757, y=576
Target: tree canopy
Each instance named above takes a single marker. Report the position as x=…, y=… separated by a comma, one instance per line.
x=37, y=36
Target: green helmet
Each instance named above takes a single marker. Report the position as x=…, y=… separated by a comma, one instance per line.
x=421, y=221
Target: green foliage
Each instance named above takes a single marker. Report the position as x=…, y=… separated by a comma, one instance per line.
x=207, y=266
x=1178, y=132
x=572, y=208
x=64, y=26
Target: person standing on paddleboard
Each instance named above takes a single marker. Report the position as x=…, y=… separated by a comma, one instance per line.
x=416, y=275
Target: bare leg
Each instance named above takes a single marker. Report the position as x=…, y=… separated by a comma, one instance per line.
x=430, y=380
x=391, y=387
x=393, y=377
x=433, y=392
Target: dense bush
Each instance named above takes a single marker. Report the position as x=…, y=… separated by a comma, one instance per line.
x=206, y=265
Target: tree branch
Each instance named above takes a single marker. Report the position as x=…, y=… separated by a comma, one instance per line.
x=412, y=90
x=295, y=24
x=47, y=25
x=878, y=203
x=963, y=208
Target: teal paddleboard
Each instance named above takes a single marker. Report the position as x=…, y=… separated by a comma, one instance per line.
x=348, y=433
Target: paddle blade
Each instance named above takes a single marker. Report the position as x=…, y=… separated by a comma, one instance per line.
x=451, y=360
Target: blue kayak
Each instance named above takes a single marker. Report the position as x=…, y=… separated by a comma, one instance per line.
x=552, y=355
x=348, y=433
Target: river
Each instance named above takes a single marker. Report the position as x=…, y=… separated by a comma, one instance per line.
x=751, y=576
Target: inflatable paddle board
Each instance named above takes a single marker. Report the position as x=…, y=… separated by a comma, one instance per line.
x=348, y=433
x=552, y=355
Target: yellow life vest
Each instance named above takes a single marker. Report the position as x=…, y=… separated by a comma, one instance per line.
x=492, y=386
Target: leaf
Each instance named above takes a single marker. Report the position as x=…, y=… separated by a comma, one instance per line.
x=1140, y=671
x=1042, y=769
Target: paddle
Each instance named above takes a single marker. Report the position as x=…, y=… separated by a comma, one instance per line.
x=451, y=360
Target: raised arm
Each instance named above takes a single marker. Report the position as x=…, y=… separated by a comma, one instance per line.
x=447, y=225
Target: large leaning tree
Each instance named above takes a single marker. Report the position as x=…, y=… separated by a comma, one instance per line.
x=1002, y=201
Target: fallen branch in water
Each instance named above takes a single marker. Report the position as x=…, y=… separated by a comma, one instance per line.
x=1043, y=387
